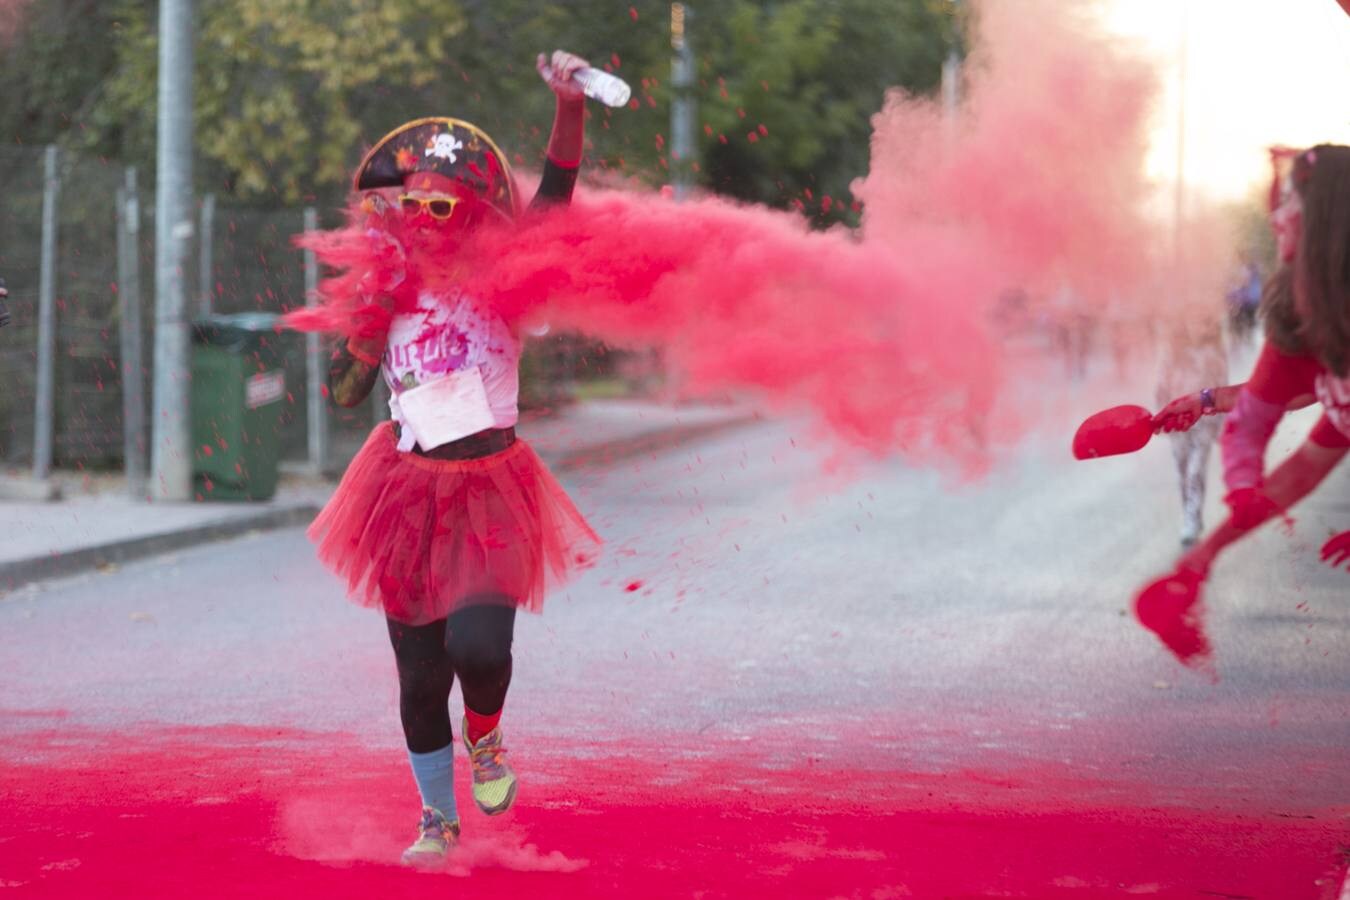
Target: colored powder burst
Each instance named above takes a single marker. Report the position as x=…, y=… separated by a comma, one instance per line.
x=886, y=334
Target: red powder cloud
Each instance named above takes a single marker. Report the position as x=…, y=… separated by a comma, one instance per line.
x=886, y=334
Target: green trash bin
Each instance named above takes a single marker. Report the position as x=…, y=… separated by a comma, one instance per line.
x=238, y=385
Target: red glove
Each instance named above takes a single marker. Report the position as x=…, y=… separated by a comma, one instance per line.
x=1179, y=415
x=1170, y=608
x=1250, y=507
x=1336, y=551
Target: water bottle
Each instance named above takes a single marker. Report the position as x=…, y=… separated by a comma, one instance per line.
x=602, y=86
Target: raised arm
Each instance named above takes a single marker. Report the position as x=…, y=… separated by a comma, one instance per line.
x=569, y=128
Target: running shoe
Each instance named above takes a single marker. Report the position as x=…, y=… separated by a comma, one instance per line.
x=494, y=783
x=435, y=837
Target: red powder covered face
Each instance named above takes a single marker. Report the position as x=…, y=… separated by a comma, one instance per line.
x=431, y=201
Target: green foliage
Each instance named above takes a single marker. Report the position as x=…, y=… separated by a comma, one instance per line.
x=289, y=91
x=51, y=68
x=813, y=73
x=494, y=83
x=282, y=85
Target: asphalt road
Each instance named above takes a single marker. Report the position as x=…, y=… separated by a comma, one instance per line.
x=890, y=627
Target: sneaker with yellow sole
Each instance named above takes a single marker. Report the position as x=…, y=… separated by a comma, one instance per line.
x=435, y=838
x=494, y=783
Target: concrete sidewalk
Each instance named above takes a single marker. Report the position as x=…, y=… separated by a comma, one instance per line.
x=97, y=526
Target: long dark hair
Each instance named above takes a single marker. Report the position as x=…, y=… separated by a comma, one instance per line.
x=1306, y=304
x=1283, y=327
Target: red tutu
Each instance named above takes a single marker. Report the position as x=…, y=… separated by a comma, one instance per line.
x=418, y=538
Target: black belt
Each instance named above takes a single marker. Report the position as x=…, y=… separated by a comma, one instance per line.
x=475, y=446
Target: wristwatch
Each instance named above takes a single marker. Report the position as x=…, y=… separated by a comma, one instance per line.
x=1207, y=400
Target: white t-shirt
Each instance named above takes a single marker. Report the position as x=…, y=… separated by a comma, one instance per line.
x=448, y=334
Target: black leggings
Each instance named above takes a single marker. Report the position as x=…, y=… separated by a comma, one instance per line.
x=474, y=642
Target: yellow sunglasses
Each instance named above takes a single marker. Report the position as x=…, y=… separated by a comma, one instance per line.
x=436, y=207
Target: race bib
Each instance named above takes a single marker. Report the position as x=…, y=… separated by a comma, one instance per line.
x=447, y=409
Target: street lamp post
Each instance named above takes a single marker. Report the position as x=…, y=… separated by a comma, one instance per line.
x=682, y=106
x=1179, y=198
x=171, y=452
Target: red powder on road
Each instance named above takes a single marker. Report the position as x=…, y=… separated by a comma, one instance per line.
x=275, y=813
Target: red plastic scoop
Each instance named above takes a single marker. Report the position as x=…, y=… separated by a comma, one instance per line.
x=1120, y=429
x=1170, y=608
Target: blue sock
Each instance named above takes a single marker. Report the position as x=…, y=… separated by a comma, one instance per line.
x=435, y=776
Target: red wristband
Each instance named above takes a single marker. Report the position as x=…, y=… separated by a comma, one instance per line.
x=574, y=164
x=361, y=355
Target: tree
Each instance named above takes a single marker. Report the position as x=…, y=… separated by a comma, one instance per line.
x=55, y=57
x=785, y=95
x=289, y=91
x=789, y=89
x=282, y=86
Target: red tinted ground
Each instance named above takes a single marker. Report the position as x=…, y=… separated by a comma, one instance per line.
x=260, y=812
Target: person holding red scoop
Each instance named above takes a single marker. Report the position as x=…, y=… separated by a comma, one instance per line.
x=1306, y=358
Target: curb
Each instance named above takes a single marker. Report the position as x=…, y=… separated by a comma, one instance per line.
x=39, y=568
x=29, y=491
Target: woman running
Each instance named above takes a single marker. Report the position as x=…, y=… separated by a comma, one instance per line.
x=445, y=521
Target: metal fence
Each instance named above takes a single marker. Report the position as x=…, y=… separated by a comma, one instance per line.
x=244, y=262
x=99, y=349
x=251, y=265
x=20, y=239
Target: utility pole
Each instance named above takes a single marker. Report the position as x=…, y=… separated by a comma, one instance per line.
x=683, y=107
x=171, y=453
x=1179, y=200
x=950, y=88
x=204, y=260
x=316, y=404
x=129, y=300
x=44, y=413
x=951, y=84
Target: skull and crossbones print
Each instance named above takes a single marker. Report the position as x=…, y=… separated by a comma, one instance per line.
x=443, y=146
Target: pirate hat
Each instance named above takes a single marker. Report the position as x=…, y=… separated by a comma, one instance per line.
x=449, y=148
